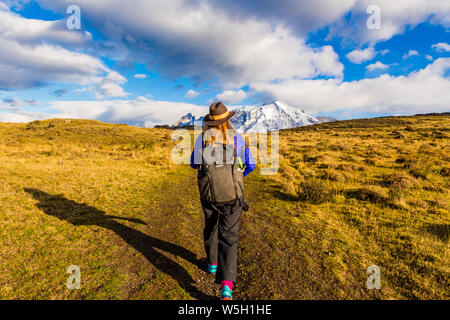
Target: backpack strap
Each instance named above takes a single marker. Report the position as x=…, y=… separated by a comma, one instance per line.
x=204, y=164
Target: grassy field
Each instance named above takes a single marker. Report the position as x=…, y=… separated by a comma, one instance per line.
x=108, y=199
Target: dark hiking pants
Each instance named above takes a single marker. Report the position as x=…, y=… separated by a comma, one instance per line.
x=221, y=238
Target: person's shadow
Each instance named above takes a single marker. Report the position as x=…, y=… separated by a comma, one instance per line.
x=84, y=215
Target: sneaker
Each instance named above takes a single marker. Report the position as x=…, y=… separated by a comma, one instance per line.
x=212, y=268
x=225, y=293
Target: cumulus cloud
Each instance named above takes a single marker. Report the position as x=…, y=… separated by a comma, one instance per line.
x=36, y=52
x=240, y=42
x=377, y=66
x=13, y=110
x=35, y=32
x=231, y=96
x=359, y=56
x=425, y=90
x=396, y=17
x=135, y=112
x=260, y=43
x=15, y=104
x=110, y=85
x=441, y=47
x=140, y=76
x=300, y=15
x=198, y=40
x=25, y=116
x=410, y=53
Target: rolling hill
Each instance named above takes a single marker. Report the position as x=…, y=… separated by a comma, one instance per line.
x=104, y=197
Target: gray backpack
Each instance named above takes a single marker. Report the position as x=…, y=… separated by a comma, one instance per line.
x=221, y=177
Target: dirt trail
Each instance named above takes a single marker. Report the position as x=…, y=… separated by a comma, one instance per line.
x=270, y=263
x=277, y=259
x=178, y=220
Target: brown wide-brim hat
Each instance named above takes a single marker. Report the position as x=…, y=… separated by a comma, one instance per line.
x=218, y=114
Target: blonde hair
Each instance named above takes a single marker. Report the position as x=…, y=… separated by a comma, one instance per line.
x=224, y=130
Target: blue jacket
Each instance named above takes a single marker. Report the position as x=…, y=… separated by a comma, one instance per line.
x=239, y=144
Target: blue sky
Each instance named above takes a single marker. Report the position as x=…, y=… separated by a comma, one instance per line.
x=151, y=61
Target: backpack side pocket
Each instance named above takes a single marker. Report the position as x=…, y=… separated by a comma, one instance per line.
x=204, y=188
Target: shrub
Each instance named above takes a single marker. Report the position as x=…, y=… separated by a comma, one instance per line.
x=398, y=180
x=333, y=176
x=328, y=165
x=313, y=190
x=397, y=197
x=420, y=171
x=418, y=203
x=369, y=161
x=400, y=160
x=439, y=203
x=408, y=162
x=340, y=147
x=444, y=172
x=397, y=135
x=418, y=167
x=371, y=193
x=33, y=125
x=347, y=167
x=426, y=148
x=439, y=135
x=310, y=158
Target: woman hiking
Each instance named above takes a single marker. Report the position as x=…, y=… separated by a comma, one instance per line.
x=222, y=159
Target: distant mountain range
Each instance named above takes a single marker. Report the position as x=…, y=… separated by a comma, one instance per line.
x=269, y=117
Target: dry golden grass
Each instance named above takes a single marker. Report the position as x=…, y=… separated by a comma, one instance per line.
x=383, y=181
x=106, y=197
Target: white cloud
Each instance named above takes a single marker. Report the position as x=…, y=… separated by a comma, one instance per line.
x=427, y=90
x=110, y=86
x=396, y=16
x=231, y=96
x=140, y=76
x=12, y=110
x=35, y=32
x=138, y=111
x=23, y=116
x=377, y=66
x=411, y=53
x=359, y=56
x=441, y=47
x=191, y=94
x=234, y=40
x=31, y=55
x=301, y=16
x=9, y=103
x=429, y=57
x=134, y=111
x=197, y=39
x=257, y=42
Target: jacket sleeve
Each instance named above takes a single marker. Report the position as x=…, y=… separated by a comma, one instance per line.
x=196, y=154
x=249, y=162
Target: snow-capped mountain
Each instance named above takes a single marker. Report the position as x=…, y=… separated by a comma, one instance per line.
x=185, y=120
x=269, y=117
